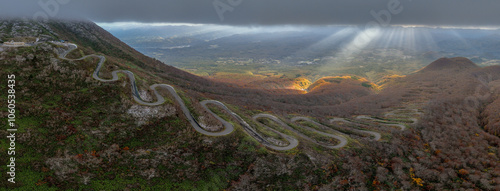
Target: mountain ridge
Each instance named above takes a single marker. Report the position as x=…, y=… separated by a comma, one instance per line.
x=456, y=64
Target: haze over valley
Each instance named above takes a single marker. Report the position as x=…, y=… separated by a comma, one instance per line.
x=252, y=54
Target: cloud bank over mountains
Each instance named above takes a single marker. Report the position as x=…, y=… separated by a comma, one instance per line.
x=264, y=12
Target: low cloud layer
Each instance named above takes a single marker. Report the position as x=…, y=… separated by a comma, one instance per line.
x=264, y=12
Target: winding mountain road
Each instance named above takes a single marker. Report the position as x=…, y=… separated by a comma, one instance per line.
x=135, y=92
x=251, y=131
x=228, y=127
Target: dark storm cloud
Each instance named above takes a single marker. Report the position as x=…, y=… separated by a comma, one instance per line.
x=266, y=12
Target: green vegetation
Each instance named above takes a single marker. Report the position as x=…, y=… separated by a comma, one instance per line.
x=310, y=124
x=315, y=136
x=366, y=84
x=267, y=132
x=335, y=80
x=188, y=103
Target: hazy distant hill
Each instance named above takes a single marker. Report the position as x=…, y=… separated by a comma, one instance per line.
x=455, y=64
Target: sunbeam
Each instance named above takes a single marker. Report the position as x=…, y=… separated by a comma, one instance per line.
x=430, y=43
x=460, y=38
x=327, y=43
x=388, y=37
x=361, y=41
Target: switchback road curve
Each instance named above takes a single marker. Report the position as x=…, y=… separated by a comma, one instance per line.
x=228, y=127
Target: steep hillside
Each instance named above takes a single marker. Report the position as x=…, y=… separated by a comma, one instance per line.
x=87, y=119
x=491, y=112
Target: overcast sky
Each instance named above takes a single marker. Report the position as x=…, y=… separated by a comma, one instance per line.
x=264, y=12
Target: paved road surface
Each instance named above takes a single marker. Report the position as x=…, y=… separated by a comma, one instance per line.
x=342, y=140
